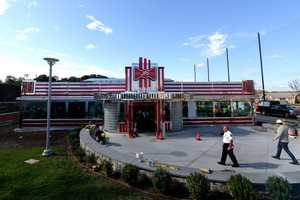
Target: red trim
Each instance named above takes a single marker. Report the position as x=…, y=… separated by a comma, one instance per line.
x=194, y=87
x=145, y=68
x=140, y=67
x=205, y=84
x=130, y=79
x=206, y=90
x=126, y=78
x=45, y=85
x=149, y=67
x=163, y=78
x=158, y=79
x=8, y=116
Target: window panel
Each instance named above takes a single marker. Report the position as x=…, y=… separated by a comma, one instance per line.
x=204, y=109
x=34, y=109
x=76, y=110
x=222, y=109
x=95, y=109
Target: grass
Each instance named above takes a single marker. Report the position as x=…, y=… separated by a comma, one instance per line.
x=52, y=178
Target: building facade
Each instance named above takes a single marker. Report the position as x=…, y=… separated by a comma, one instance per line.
x=144, y=100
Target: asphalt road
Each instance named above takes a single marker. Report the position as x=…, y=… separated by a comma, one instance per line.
x=271, y=119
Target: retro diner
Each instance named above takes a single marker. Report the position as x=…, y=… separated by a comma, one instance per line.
x=143, y=101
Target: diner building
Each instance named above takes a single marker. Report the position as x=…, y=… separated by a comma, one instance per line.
x=144, y=100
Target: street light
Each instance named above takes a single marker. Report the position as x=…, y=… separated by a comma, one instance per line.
x=51, y=62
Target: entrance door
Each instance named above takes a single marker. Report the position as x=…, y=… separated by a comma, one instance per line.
x=144, y=116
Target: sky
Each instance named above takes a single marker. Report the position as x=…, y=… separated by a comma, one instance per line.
x=103, y=36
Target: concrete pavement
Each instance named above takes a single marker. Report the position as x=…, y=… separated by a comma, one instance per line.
x=253, y=150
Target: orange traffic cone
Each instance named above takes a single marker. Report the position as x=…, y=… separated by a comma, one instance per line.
x=198, y=136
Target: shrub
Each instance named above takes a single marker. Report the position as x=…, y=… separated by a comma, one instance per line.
x=197, y=185
x=73, y=137
x=144, y=181
x=241, y=188
x=130, y=174
x=79, y=152
x=106, y=168
x=278, y=188
x=91, y=159
x=178, y=189
x=161, y=180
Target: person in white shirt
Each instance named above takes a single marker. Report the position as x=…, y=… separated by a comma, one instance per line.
x=228, y=148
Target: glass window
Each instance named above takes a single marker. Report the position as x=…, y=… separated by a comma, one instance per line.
x=204, y=109
x=34, y=109
x=76, y=110
x=122, y=112
x=241, y=108
x=167, y=111
x=185, y=109
x=95, y=109
x=222, y=109
x=58, y=109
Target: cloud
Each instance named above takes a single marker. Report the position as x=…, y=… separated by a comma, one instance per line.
x=24, y=34
x=90, y=46
x=97, y=25
x=196, y=41
x=216, y=44
x=32, y=4
x=211, y=45
x=3, y=6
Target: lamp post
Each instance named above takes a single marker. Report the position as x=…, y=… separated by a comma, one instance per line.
x=47, y=151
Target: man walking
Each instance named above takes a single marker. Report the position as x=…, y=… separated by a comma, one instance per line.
x=283, y=141
x=228, y=148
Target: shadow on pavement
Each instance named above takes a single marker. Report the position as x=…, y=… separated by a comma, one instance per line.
x=259, y=165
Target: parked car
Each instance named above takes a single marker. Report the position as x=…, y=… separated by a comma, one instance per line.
x=283, y=111
x=264, y=107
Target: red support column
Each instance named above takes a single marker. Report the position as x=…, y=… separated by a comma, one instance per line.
x=130, y=126
x=158, y=120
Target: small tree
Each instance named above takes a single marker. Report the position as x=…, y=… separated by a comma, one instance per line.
x=130, y=174
x=198, y=186
x=241, y=188
x=278, y=188
x=106, y=167
x=161, y=180
x=295, y=85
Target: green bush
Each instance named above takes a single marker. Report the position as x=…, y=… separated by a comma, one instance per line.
x=79, y=152
x=91, y=159
x=73, y=137
x=241, y=188
x=198, y=186
x=161, y=180
x=106, y=168
x=278, y=188
x=130, y=174
x=144, y=181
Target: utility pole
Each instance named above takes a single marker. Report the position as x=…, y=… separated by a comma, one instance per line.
x=261, y=67
x=227, y=59
x=195, y=79
x=207, y=65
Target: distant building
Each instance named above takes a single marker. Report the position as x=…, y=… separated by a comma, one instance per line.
x=284, y=96
x=144, y=100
